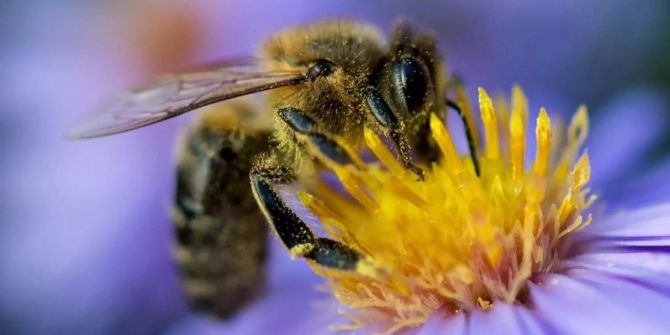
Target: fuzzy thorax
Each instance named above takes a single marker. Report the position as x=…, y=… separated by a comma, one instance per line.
x=457, y=242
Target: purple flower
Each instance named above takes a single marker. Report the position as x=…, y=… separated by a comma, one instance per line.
x=86, y=240
x=611, y=275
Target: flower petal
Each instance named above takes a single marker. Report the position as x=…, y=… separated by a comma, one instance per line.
x=641, y=230
x=439, y=324
x=283, y=309
x=506, y=319
x=651, y=270
x=587, y=302
x=287, y=302
x=648, y=187
x=619, y=127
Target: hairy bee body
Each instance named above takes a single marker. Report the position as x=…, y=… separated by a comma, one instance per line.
x=325, y=84
x=337, y=102
x=333, y=102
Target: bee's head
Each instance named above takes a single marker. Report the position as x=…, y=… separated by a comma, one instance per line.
x=410, y=77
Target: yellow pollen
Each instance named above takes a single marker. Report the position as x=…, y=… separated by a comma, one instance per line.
x=543, y=151
x=455, y=242
x=517, y=130
x=300, y=250
x=490, y=125
x=464, y=102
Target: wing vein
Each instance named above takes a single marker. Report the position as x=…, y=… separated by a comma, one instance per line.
x=172, y=95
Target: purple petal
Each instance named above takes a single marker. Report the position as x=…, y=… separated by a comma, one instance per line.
x=588, y=302
x=633, y=245
x=648, y=187
x=651, y=270
x=619, y=127
x=283, y=271
x=646, y=229
x=285, y=306
x=506, y=319
x=439, y=324
x=630, y=261
x=282, y=311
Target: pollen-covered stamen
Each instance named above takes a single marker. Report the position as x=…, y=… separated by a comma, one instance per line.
x=456, y=242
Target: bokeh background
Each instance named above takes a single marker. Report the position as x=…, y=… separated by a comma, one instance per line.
x=84, y=230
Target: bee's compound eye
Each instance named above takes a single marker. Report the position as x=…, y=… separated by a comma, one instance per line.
x=319, y=68
x=411, y=82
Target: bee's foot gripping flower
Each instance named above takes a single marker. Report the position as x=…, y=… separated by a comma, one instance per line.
x=456, y=242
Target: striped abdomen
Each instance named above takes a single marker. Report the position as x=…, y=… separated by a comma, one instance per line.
x=221, y=234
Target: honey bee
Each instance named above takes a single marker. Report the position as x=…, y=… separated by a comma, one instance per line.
x=325, y=84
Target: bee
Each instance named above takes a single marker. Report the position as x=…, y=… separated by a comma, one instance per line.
x=324, y=83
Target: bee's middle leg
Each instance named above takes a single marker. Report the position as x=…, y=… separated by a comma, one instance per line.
x=293, y=232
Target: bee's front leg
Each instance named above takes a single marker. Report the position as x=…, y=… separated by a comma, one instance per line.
x=394, y=128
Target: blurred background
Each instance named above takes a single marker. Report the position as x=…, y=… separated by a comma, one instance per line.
x=84, y=229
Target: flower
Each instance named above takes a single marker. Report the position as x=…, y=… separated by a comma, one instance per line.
x=85, y=252
x=510, y=251
x=457, y=242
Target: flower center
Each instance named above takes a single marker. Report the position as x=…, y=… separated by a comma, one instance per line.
x=456, y=241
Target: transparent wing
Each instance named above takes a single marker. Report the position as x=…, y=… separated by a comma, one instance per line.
x=172, y=95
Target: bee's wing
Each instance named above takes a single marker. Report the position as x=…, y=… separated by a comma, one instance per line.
x=171, y=95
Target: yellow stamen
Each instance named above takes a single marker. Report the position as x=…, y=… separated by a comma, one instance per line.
x=517, y=148
x=576, y=135
x=543, y=150
x=445, y=143
x=517, y=131
x=330, y=220
x=502, y=108
x=353, y=185
x=581, y=173
x=463, y=101
x=520, y=104
x=490, y=125
x=383, y=153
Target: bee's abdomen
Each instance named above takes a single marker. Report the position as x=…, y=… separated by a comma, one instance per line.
x=220, y=232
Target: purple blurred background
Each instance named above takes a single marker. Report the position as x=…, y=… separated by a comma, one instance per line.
x=85, y=236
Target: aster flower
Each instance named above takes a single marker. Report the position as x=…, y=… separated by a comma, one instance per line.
x=510, y=251
x=457, y=242
x=84, y=252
